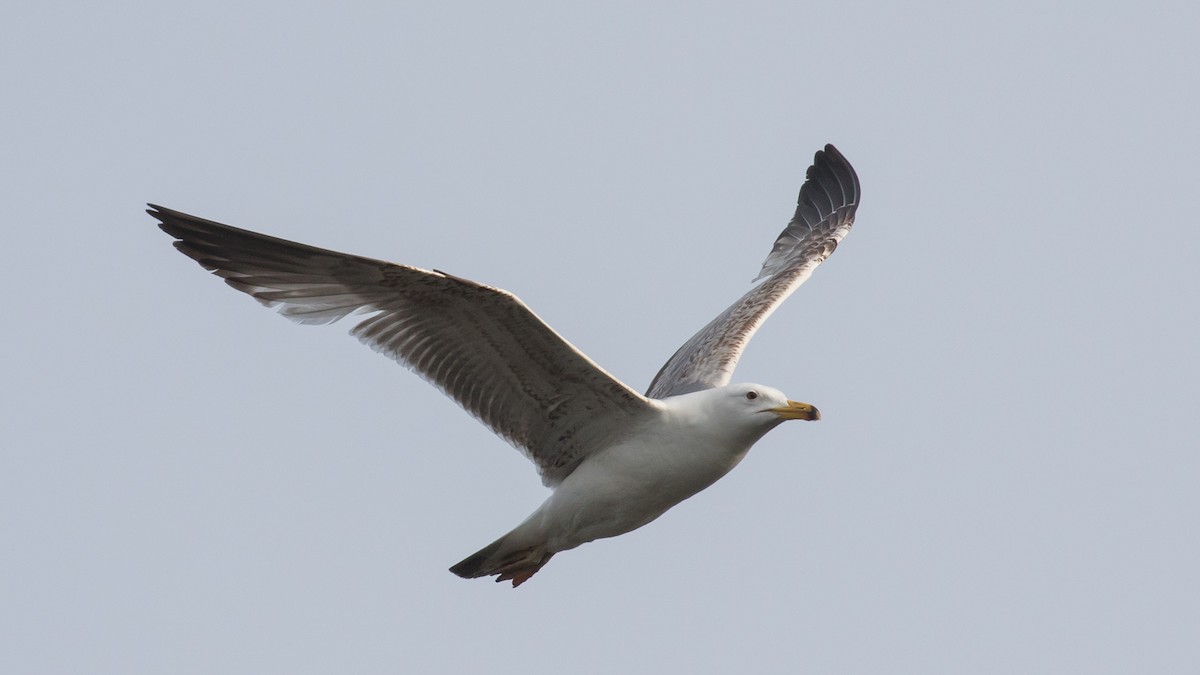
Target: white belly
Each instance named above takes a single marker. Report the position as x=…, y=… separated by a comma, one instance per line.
x=628, y=485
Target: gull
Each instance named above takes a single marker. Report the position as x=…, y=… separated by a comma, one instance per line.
x=615, y=459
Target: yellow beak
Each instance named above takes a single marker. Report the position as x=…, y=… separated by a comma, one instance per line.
x=795, y=410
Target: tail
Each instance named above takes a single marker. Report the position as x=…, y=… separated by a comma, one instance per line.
x=500, y=559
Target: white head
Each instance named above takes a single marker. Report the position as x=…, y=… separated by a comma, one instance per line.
x=744, y=409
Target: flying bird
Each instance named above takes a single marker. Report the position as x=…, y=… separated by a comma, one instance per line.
x=616, y=459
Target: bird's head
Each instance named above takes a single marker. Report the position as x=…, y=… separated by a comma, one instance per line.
x=757, y=399
x=755, y=408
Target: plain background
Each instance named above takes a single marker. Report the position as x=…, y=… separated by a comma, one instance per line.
x=1004, y=348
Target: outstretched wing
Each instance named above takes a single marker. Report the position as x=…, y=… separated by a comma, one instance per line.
x=824, y=214
x=480, y=345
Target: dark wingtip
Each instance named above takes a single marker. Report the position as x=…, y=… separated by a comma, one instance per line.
x=162, y=215
x=157, y=211
x=832, y=159
x=169, y=220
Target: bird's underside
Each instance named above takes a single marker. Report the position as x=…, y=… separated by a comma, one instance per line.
x=489, y=352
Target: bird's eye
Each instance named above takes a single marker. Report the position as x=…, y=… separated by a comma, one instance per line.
x=751, y=395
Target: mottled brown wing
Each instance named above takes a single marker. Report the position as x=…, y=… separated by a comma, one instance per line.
x=824, y=214
x=480, y=345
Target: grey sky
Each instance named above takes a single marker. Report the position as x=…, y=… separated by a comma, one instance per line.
x=1004, y=348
